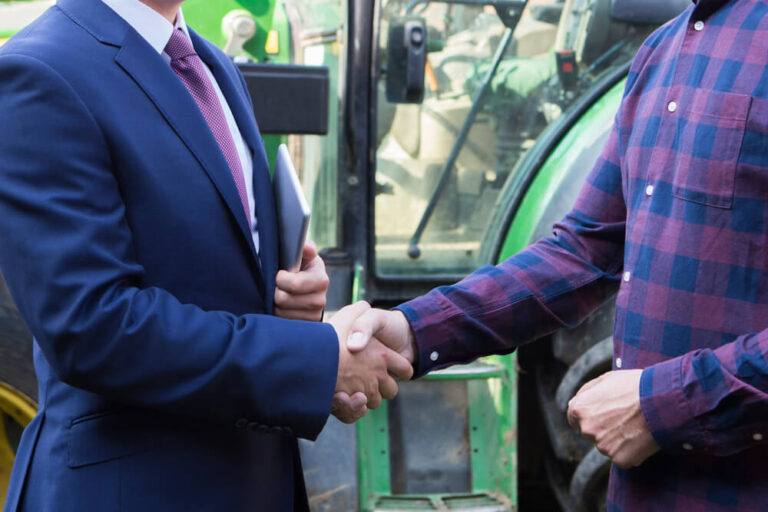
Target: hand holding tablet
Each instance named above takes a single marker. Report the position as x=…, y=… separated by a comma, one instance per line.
x=293, y=212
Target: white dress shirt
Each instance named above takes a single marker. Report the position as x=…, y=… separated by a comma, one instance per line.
x=157, y=31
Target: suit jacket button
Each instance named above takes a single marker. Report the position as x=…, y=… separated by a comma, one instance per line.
x=241, y=423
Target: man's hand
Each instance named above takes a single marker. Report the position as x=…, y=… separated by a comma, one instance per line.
x=301, y=295
x=389, y=327
x=607, y=410
x=393, y=330
x=366, y=376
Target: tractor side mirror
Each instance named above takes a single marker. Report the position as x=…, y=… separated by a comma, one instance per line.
x=406, y=59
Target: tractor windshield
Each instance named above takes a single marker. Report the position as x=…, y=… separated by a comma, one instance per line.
x=491, y=88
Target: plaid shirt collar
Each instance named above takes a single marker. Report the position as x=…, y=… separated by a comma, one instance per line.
x=704, y=8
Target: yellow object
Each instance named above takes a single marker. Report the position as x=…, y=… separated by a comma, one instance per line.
x=15, y=404
x=273, y=42
x=2, y=41
x=20, y=409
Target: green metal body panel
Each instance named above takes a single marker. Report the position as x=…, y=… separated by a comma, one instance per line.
x=205, y=16
x=492, y=422
x=554, y=170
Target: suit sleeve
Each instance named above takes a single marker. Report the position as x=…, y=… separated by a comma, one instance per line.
x=69, y=262
x=557, y=282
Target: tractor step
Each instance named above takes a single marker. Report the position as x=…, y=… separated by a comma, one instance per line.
x=481, y=502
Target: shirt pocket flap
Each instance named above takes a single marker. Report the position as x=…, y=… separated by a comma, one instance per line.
x=708, y=136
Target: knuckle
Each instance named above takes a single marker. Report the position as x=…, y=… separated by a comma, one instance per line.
x=280, y=297
x=587, y=431
x=374, y=401
x=574, y=411
x=298, y=282
x=287, y=285
x=391, y=391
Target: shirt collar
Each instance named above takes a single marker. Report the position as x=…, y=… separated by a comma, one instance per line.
x=150, y=24
x=709, y=5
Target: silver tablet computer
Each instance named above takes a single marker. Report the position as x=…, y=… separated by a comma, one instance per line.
x=292, y=211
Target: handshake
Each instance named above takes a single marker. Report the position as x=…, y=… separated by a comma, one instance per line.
x=376, y=348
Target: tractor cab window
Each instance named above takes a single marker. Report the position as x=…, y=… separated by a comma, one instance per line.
x=493, y=80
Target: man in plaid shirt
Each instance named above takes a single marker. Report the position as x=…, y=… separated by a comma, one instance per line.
x=674, y=217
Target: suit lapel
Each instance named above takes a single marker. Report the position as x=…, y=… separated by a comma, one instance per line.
x=161, y=85
x=242, y=110
x=167, y=92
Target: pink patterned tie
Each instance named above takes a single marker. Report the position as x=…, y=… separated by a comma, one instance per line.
x=187, y=64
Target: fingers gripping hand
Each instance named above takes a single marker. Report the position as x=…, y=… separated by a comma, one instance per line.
x=301, y=295
x=346, y=408
x=349, y=409
x=372, y=370
x=389, y=327
x=607, y=411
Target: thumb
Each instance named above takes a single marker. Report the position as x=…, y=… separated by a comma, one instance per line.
x=364, y=328
x=348, y=314
x=309, y=252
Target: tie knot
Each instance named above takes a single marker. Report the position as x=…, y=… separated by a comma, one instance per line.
x=179, y=46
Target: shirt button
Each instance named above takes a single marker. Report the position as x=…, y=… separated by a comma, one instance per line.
x=649, y=190
x=757, y=437
x=627, y=276
x=434, y=355
x=698, y=26
x=672, y=106
x=687, y=446
x=618, y=362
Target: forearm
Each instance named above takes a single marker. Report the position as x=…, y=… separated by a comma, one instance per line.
x=557, y=282
x=497, y=309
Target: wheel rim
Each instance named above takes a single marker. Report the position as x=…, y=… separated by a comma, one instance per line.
x=16, y=411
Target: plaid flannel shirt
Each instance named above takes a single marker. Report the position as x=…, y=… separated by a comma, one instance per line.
x=675, y=217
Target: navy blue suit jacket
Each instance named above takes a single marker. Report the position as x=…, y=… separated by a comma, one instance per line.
x=165, y=383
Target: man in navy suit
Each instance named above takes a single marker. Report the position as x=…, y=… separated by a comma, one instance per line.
x=139, y=243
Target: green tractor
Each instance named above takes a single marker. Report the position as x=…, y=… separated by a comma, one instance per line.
x=432, y=137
